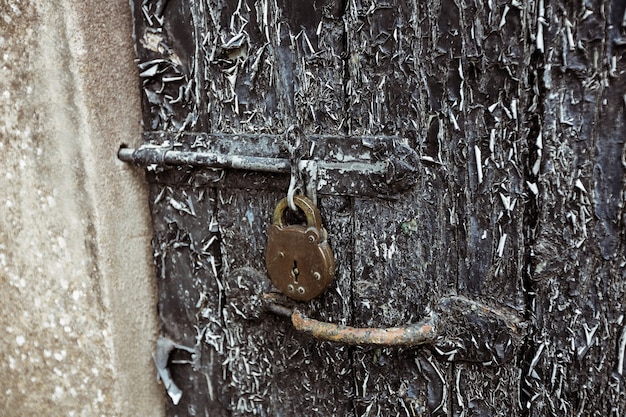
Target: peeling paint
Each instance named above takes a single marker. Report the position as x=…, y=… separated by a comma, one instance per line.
x=514, y=112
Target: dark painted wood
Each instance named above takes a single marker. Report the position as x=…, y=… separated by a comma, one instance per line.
x=262, y=70
x=187, y=259
x=515, y=112
x=271, y=64
x=166, y=35
x=578, y=281
x=293, y=74
x=430, y=71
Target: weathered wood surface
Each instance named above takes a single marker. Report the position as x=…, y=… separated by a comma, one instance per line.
x=578, y=275
x=516, y=111
x=433, y=72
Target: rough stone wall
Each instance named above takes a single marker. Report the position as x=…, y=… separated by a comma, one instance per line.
x=77, y=315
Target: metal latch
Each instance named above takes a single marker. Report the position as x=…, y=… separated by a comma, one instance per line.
x=385, y=165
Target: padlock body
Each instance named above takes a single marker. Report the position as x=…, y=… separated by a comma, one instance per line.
x=299, y=260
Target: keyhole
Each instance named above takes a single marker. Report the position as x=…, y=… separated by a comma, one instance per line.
x=295, y=272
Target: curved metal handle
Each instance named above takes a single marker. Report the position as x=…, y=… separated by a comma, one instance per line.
x=417, y=334
x=459, y=328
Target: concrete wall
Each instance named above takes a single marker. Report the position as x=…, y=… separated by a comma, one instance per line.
x=77, y=296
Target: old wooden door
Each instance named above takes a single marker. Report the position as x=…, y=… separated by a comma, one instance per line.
x=510, y=115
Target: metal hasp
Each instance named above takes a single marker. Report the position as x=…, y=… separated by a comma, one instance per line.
x=386, y=165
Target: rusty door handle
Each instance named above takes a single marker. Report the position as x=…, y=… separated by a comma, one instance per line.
x=435, y=326
x=457, y=327
x=411, y=335
x=417, y=334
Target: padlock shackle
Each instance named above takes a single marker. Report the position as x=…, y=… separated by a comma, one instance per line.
x=313, y=216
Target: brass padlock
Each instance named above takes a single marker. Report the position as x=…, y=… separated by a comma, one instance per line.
x=299, y=260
